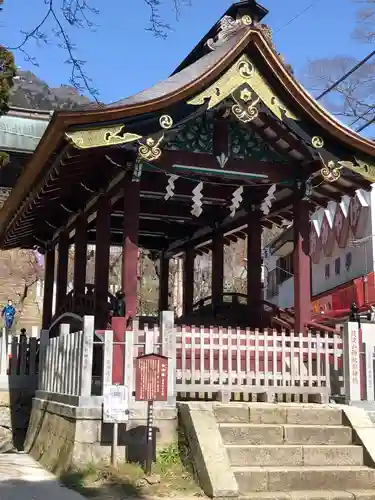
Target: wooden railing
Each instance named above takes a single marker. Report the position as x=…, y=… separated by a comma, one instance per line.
x=226, y=298
x=84, y=303
x=278, y=317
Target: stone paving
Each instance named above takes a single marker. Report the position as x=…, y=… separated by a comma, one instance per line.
x=22, y=478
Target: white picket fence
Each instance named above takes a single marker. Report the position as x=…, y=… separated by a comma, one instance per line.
x=66, y=361
x=202, y=361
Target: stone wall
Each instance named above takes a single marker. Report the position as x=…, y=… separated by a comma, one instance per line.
x=61, y=435
x=15, y=410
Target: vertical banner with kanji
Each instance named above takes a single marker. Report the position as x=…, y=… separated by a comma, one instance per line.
x=352, y=367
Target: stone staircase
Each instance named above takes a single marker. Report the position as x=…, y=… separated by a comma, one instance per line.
x=297, y=452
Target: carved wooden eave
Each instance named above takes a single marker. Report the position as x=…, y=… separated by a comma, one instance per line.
x=242, y=80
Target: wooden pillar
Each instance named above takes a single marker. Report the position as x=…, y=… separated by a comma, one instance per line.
x=302, y=265
x=62, y=269
x=130, y=245
x=254, y=269
x=103, y=243
x=188, y=281
x=80, y=254
x=217, y=272
x=49, y=279
x=129, y=275
x=164, y=283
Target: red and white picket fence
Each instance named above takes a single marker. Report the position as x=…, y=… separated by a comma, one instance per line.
x=203, y=362
x=256, y=361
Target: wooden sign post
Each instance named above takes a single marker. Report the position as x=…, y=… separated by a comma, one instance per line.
x=151, y=384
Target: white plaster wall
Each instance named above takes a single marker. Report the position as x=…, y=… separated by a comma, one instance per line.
x=285, y=296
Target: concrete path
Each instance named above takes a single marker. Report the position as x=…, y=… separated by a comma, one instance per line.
x=21, y=478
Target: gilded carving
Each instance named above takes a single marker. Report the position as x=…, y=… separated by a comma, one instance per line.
x=331, y=172
x=150, y=150
x=245, y=107
x=246, y=20
x=360, y=167
x=99, y=137
x=166, y=121
x=227, y=28
x=317, y=142
x=243, y=71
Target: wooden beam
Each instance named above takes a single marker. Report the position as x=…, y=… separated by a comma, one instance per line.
x=150, y=243
x=169, y=229
x=282, y=133
x=241, y=166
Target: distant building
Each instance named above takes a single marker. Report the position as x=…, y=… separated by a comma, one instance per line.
x=342, y=258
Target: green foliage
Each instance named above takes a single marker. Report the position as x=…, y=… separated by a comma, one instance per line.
x=4, y=159
x=7, y=73
x=169, y=456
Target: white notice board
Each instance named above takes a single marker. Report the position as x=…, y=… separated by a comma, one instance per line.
x=115, y=404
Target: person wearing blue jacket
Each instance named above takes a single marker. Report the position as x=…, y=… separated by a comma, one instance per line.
x=8, y=314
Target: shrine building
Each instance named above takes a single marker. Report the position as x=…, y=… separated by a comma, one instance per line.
x=229, y=144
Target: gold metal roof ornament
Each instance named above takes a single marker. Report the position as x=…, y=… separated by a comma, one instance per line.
x=331, y=172
x=227, y=28
x=101, y=137
x=243, y=71
x=317, y=142
x=362, y=168
x=150, y=150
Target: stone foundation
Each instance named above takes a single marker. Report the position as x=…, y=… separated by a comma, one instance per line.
x=61, y=435
x=15, y=410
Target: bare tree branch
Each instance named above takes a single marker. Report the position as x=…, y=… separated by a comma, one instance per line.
x=353, y=99
x=78, y=14
x=365, y=30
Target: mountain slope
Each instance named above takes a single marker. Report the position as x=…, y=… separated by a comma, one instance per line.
x=32, y=93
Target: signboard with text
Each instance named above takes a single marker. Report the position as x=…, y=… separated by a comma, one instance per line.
x=115, y=404
x=151, y=378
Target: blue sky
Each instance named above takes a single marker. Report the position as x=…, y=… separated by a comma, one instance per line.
x=122, y=58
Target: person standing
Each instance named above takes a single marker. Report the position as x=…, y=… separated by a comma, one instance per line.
x=8, y=314
x=118, y=306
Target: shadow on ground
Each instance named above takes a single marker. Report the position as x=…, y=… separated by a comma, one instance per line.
x=19, y=489
x=113, y=487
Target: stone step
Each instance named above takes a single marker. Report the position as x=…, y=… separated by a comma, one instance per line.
x=253, y=479
x=285, y=434
x=258, y=413
x=293, y=455
x=311, y=495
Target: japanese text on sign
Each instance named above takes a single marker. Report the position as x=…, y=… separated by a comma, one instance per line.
x=151, y=378
x=115, y=404
x=354, y=356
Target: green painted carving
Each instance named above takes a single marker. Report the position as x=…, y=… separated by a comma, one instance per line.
x=245, y=143
x=195, y=136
